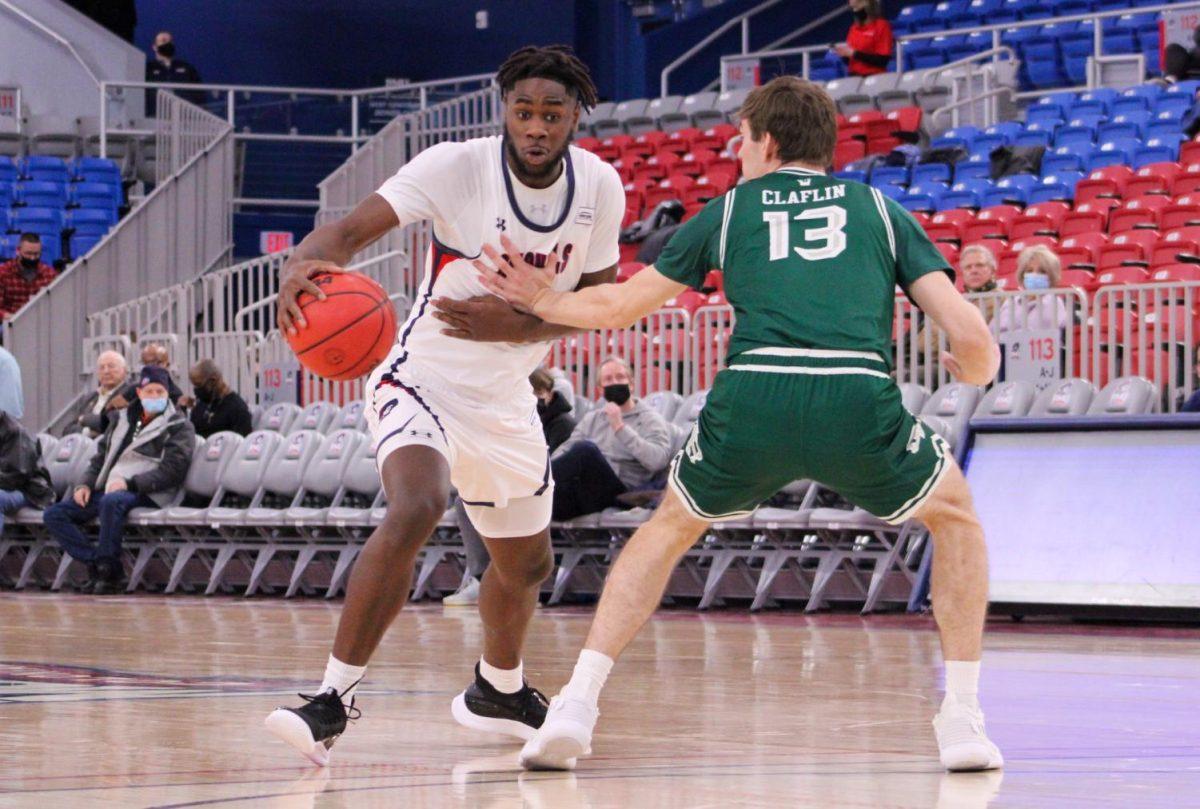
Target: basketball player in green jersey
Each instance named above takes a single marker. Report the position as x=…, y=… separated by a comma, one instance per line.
x=811, y=263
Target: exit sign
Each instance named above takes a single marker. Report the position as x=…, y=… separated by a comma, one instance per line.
x=273, y=241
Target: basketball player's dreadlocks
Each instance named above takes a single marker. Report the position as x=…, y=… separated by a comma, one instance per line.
x=555, y=62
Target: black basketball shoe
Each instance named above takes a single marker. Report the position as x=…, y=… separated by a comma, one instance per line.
x=482, y=707
x=315, y=726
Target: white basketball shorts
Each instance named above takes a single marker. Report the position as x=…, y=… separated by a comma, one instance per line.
x=498, y=457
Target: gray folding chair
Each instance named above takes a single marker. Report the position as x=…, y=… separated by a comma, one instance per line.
x=1007, y=399
x=316, y=416
x=1070, y=397
x=684, y=116
x=279, y=417
x=1126, y=396
x=955, y=403
x=689, y=409
x=913, y=396
x=666, y=402
x=352, y=417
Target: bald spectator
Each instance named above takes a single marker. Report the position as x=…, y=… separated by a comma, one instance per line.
x=111, y=373
x=216, y=407
x=23, y=276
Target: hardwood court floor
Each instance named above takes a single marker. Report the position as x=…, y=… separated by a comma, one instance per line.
x=145, y=701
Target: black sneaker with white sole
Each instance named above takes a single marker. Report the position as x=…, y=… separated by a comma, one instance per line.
x=482, y=707
x=315, y=726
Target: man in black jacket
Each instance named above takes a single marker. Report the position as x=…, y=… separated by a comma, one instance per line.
x=141, y=462
x=167, y=67
x=24, y=481
x=216, y=408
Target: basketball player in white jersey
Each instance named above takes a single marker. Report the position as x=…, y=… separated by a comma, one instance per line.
x=451, y=405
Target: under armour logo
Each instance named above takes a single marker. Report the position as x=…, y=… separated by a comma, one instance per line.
x=541, y=208
x=500, y=223
x=419, y=433
x=914, y=438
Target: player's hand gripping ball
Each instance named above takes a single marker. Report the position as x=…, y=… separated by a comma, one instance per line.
x=349, y=332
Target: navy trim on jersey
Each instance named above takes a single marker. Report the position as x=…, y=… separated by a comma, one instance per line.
x=512, y=196
x=488, y=503
x=388, y=379
x=545, y=477
x=440, y=256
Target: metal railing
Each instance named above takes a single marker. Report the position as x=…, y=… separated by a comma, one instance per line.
x=184, y=131
x=53, y=35
x=742, y=21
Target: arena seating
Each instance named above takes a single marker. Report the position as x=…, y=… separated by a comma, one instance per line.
x=71, y=205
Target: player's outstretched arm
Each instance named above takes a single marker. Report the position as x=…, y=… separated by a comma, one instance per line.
x=606, y=306
x=974, y=356
x=326, y=249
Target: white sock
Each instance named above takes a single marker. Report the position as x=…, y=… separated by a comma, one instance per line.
x=962, y=681
x=588, y=678
x=506, y=681
x=342, y=677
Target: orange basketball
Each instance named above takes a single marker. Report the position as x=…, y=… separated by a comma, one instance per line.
x=348, y=333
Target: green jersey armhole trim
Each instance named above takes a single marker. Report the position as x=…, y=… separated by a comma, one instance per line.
x=881, y=206
x=728, y=202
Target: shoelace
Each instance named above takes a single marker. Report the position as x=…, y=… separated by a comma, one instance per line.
x=352, y=713
x=961, y=727
x=539, y=696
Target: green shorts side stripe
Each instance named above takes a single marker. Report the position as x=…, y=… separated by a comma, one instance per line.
x=689, y=503
x=916, y=501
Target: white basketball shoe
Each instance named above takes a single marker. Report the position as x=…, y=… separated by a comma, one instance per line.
x=962, y=739
x=563, y=737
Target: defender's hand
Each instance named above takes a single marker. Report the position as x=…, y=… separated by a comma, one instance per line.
x=484, y=319
x=513, y=278
x=296, y=278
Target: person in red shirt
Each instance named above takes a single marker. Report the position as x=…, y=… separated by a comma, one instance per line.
x=21, y=278
x=869, y=45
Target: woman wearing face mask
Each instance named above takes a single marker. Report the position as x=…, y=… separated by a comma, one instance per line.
x=1038, y=269
x=869, y=45
x=217, y=408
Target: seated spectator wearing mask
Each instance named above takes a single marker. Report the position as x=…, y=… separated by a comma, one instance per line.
x=869, y=43
x=153, y=354
x=23, y=276
x=24, y=480
x=553, y=409
x=621, y=446
x=111, y=373
x=215, y=407
x=1192, y=405
x=1037, y=269
x=141, y=461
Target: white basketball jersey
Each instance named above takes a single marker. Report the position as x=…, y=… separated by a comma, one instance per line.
x=472, y=197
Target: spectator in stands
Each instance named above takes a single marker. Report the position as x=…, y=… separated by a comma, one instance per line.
x=216, y=407
x=23, y=276
x=166, y=68
x=553, y=409
x=24, y=480
x=1181, y=63
x=557, y=424
x=153, y=354
x=1038, y=269
x=869, y=45
x=1192, y=405
x=621, y=446
x=141, y=461
x=111, y=372
x=12, y=401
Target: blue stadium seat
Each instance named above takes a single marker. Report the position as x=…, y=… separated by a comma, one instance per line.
x=1078, y=131
x=81, y=244
x=1042, y=63
x=42, y=195
x=979, y=41
x=1034, y=137
x=961, y=136
x=892, y=191
x=1157, y=150
x=51, y=244
x=1058, y=30
x=897, y=175
x=965, y=194
x=8, y=243
x=8, y=170
x=8, y=195
x=851, y=174
x=1065, y=8
x=45, y=168
x=1164, y=128
x=931, y=173
x=91, y=220
x=1069, y=157
x=972, y=169
x=1055, y=187
x=924, y=197
x=94, y=195
x=5, y=219
x=38, y=220
x=910, y=15
x=1059, y=102
x=1123, y=126
x=1127, y=105
x=923, y=55
x=1113, y=153
x=1047, y=116
x=1012, y=189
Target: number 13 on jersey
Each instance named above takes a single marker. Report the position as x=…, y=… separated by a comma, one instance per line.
x=832, y=233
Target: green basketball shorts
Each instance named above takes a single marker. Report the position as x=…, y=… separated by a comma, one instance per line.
x=776, y=415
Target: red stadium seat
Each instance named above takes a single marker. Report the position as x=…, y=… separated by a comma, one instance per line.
x=1154, y=364
x=847, y=152
x=1121, y=275
x=949, y=251
x=657, y=167
x=1173, y=273
x=680, y=141
x=587, y=144
x=906, y=119
x=672, y=188
x=1132, y=245
x=1089, y=221
x=1044, y=217
x=921, y=217
x=1187, y=182
x=694, y=164
x=1015, y=248
x=715, y=280
x=1083, y=279
x=628, y=269
x=1155, y=178
x=1138, y=212
x=1189, y=152
x=1179, y=213
x=998, y=247
x=715, y=138
x=691, y=210
x=689, y=300
x=1180, y=240
x=1007, y=280
x=947, y=231
x=991, y=222
x=702, y=191
x=610, y=148
x=627, y=165
x=722, y=171
x=1082, y=248
x=646, y=144
x=1107, y=181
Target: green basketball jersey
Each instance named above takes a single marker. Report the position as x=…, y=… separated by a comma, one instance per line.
x=810, y=261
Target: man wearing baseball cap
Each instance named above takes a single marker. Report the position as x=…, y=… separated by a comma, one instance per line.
x=140, y=462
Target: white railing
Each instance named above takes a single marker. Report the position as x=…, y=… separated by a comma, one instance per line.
x=53, y=36
x=226, y=292
x=657, y=347
x=184, y=131
x=712, y=327
x=743, y=21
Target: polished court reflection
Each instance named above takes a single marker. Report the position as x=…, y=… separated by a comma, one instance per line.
x=159, y=702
